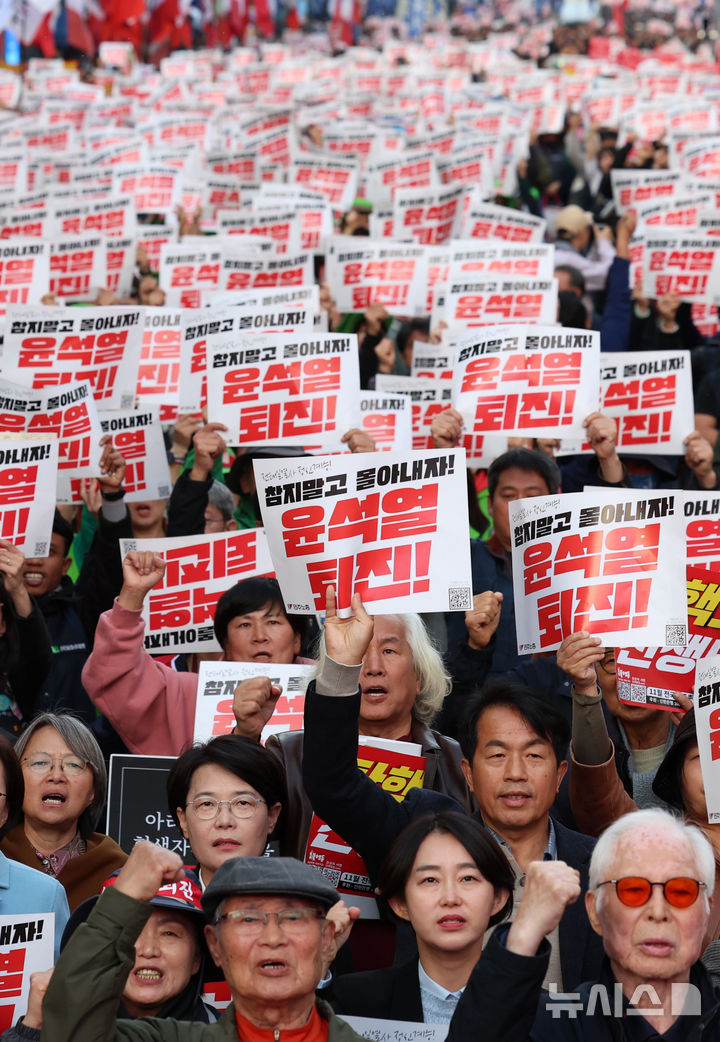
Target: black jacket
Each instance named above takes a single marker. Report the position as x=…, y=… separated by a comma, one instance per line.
x=370, y=820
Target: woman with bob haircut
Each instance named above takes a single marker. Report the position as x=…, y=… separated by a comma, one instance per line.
x=226, y=796
x=450, y=880
x=151, y=706
x=65, y=784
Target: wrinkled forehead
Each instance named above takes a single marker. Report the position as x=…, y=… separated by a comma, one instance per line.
x=643, y=851
x=266, y=902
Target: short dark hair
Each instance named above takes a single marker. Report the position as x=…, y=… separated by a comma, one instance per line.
x=575, y=276
x=233, y=752
x=414, y=325
x=483, y=849
x=64, y=529
x=252, y=595
x=571, y=310
x=525, y=459
x=538, y=714
x=14, y=786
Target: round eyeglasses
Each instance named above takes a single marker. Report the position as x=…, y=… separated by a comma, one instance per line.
x=43, y=763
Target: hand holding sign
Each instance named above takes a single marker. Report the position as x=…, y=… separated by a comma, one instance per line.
x=483, y=620
x=142, y=569
x=209, y=445
x=577, y=656
x=446, y=429
x=112, y=466
x=148, y=868
x=699, y=458
x=347, y=640
x=253, y=705
x=12, y=561
x=358, y=440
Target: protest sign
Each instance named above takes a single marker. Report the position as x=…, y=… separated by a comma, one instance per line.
x=433, y=361
x=52, y=347
x=24, y=272
x=470, y=259
x=650, y=676
x=392, y=529
x=111, y=217
x=120, y=255
x=28, y=478
x=27, y=945
x=484, y=301
x=180, y=609
x=396, y=1030
x=706, y=700
x=650, y=396
x=159, y=367
x=216, y=687
x=488, y=221
x=282, y=389
x=361, y=272
x=244, y=268
x=78, y=266
x=427, y=215
x=138, y=436
x=526, y=380
x=702, y=530
x=252, y=299
x=336, y=178
x=397, y=767
x=188, y=267
x=69, y=415
x=631, y=187
x=599, y=561
x=417, y=169
x=137, y=804
x=684, y=262
x=428, y=398
x=387, y=419
x=154, y=189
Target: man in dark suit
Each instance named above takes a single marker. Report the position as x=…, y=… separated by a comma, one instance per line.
x=514, y=746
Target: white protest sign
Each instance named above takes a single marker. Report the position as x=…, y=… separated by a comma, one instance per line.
x=484, y=301
x=24, y=272
x=397, y=1030
x=650, y=395
x=702, y=531
x=604, y=560
x=159, y=367
x=707, y=716
x=519, y=380
x=387, y=419
x=70, y=415
x=52, y=347
x=216, y=686
x=27, y=945
x=489, y=221
x=361, y=272
x=138, y=436
x=180, y=609
x=282, y=389
x=685, y=262
x=28, y=478
x=393, y=529
x=78, y=266
x=188, y=267
x=428, y=398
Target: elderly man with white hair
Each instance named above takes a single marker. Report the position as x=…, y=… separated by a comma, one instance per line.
x=651, y=881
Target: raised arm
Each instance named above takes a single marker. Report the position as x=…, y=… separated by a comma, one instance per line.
x=367, y=817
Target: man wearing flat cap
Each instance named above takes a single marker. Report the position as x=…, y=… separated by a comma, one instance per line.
x=267, y=931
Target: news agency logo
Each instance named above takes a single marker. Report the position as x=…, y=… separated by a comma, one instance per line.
x=644, y=1002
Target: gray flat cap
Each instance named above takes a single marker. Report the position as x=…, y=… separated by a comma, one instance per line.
x=268, y=875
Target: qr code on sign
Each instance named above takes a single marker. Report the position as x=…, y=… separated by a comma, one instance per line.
x=459, y=598
x=332, y=875
x=675, y=636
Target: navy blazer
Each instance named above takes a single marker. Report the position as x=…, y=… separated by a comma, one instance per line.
x=391, y=994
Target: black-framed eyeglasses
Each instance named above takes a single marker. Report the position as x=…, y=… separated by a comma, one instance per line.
x=635, y=891
x=608, y=666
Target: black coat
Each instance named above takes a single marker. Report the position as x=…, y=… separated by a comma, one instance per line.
x=370, y=820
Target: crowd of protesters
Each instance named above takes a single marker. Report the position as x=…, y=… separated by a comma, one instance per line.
x=556, y=874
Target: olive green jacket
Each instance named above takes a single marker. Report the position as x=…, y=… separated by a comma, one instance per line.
x=82, y=1000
